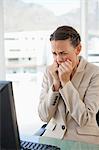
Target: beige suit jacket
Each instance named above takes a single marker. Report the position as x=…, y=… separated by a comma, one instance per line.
x=71, y=112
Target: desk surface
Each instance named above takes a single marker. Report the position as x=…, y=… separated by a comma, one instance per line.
x=63, y=144
x=68, y=144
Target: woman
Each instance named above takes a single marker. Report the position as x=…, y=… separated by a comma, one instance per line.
x=69, y=97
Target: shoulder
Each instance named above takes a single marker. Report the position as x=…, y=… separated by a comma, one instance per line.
x=90, y=67
x=46, y=73
x=46, y=70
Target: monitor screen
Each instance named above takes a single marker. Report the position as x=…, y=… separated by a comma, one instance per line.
x=9, y=135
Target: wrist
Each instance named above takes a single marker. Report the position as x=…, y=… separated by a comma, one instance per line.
x=56, y=86
x=64, y=83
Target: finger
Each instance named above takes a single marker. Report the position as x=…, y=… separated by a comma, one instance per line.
x=65, y=65
x=65, y=68
x=69, y=61
x=62, y=67
x=68, y=64
x=60, y=71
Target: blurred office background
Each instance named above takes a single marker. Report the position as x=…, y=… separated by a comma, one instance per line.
x=25, y=27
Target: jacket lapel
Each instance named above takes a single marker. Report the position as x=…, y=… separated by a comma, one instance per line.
x=78, y=76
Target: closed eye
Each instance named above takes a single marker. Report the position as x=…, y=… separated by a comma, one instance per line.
x=54, y=53
x=63, y=53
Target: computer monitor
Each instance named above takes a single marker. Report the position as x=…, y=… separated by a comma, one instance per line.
x=97, y=117
x=9, y=129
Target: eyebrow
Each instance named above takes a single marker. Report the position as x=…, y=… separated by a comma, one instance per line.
x=60, y=52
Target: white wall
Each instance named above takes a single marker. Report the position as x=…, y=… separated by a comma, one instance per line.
x=2, y=62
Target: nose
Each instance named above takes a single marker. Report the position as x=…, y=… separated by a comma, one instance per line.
x=59, y=59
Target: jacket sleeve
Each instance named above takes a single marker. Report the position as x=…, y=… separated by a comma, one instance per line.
x=48, y=99
x=82, y=110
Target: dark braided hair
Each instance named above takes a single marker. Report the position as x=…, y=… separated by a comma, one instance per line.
x=64, y=33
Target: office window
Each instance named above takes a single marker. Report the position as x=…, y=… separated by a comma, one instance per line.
x=27, y=26
x=93, y=31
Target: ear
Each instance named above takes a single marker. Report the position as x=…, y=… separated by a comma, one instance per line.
x=78, y=49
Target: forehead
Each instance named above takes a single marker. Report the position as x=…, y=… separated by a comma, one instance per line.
x=61, y=45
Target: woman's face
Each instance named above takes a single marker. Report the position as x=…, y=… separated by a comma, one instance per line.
x=63, y=50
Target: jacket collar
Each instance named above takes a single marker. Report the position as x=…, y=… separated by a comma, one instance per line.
x=82, y=64
x=77, y=78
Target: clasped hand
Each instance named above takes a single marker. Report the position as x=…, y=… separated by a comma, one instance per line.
x=60, y=73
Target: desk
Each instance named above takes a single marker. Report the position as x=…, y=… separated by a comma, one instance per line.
x=63, y=144
x=68, y=145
